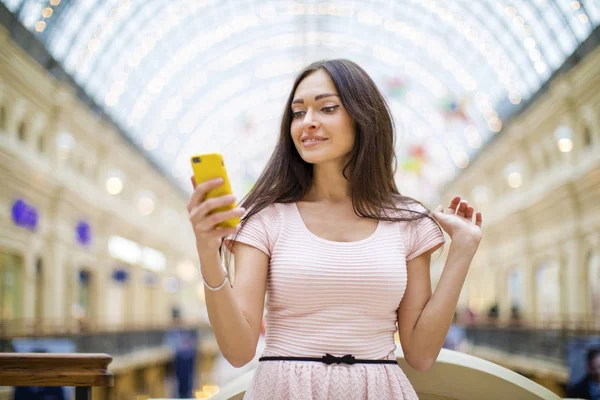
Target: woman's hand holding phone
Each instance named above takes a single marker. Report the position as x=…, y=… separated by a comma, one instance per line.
x=204, y=219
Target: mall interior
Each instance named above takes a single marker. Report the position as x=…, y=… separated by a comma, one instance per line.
x=103, y=102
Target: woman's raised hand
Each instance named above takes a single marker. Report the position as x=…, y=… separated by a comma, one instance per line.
x=208, y=236
x=457, y=220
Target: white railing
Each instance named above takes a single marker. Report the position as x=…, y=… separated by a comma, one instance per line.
x=454, y=376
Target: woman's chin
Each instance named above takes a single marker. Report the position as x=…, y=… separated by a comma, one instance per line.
x=314, y=158
x=323, y=157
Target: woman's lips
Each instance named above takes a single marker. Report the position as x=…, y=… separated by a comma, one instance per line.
x=312, y=142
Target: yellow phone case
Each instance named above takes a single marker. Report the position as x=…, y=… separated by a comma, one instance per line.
x=211, y=166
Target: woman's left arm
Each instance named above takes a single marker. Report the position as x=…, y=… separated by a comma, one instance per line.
x=425, y=318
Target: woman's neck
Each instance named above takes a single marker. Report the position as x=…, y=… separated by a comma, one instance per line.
x=329, y=185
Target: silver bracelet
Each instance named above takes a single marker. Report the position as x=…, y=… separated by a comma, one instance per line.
x=225, y=279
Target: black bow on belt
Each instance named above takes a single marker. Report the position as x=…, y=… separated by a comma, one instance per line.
x=347, y=359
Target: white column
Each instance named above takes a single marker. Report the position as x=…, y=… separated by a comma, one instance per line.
x=574, y=284
x=56, y=279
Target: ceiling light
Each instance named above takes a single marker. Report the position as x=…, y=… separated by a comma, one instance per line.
x=187, y=271
x=145, y=202
x=540, y=67
x=515, y=180
x=114, y=185
x=565, y=145
x=151, y=142
x=514, y=97
x=111, y=99
x=513, y=175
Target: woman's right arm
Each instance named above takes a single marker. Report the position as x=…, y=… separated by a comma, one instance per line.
x=234, y=313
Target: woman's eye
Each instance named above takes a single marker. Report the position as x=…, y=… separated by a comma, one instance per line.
x=298, y=114
x=329, y=109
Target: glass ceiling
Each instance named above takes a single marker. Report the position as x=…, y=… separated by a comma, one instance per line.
x=192, y=76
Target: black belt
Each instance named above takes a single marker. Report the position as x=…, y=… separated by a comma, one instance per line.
x=329, y=359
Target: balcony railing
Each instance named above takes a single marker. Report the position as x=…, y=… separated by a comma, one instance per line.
x=542, y=340
x=116, y=340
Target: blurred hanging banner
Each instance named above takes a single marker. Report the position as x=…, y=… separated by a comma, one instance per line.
x=247, y=124
x=24, y=215
x=413, y=160
x=83, y=233
x=120, y=275
x=150, y=278
x=454, y=109
x=396, y=87
x=84, y=277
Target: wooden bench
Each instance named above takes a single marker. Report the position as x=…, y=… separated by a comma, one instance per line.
x=83, y=371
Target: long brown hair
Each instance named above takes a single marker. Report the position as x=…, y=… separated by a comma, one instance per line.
x=372, y=165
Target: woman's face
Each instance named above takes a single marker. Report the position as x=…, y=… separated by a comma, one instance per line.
x=322, y=129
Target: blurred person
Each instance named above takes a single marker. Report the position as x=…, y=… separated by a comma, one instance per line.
x=342, y=255
x=39, y=392
x=470, y=316
x=589, y=386
x=184, y=344
x=455, y=336
x=493, y=312
x=185, y=358
x=176, y=315
x=515, y=315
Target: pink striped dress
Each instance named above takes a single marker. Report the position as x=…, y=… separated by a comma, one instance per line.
x=333, y=297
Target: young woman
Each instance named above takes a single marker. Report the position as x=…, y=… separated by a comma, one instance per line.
x=342, y=255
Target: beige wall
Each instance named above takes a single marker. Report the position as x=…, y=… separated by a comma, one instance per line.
x=554, y=216
x=67, y=186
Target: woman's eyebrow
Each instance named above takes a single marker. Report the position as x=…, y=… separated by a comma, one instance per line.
x=318, y=97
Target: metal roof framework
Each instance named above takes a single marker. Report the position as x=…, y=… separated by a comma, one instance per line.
x=189, y=76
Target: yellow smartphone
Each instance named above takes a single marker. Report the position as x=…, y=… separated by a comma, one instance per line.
x=211, y=166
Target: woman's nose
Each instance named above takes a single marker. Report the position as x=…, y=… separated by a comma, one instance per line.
x=309, y=121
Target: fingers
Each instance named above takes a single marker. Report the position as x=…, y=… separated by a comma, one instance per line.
x=222, y=232
x=461, y=211
x=198, y=214
x=193, y=182
x=208, y=223
x=209, y=205
x=478, y=219
x=453, y=205
x=201, y=190
x=469, y=213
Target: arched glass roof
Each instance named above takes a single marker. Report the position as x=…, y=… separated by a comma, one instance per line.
x=193, y=76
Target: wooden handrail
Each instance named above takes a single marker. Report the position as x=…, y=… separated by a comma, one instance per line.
x=56, y=369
